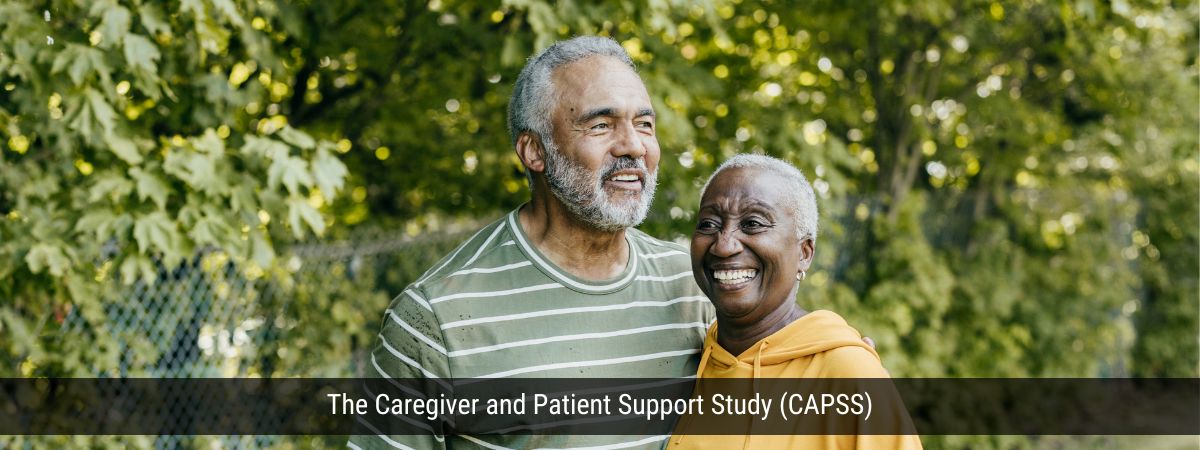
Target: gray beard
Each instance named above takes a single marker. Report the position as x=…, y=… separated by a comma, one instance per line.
x=582, y=192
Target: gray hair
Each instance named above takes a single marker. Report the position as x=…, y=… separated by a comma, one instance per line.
x=800, y=200
x=534, y=96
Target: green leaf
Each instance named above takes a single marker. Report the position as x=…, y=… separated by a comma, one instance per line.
x=264, y=148
x=292, y=172
x=141, y=53
x=196, y=7
x=79, y=69
x=82, y=61
x=230, y=12
x=151, y=186
x=300, y=213
x=212, y=230
x=82, y=289
x=46, y=256
x=210, y=143
x=154, y=231
x=512, y=52
x=135, y=267
x=124, y=149
x=114, y=25
x=110, y=185
x=261, y=252
x=329, y=172
x=78, y=58
x=242, y=198
x=98, y=222
x=15, y=327
x=101, y=110
x=297, y=138
x=197, y=170
x=152, y=19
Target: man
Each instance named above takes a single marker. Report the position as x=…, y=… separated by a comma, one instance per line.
x=563, y=286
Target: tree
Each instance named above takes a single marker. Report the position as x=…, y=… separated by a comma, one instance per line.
x=974, y=160
x=133, y=141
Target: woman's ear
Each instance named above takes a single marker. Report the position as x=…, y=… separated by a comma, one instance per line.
x=530, y=151
x=807, y=248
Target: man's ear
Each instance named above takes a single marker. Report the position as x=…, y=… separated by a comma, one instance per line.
x=530, y=151
x=808, y=247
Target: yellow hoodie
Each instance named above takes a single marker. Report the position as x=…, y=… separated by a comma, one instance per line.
x=818, y=345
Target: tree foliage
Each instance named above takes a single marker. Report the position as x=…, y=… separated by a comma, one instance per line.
x=129, y=147
x=1010, y=187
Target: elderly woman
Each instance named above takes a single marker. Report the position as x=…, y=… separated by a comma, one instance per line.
x=751, y=250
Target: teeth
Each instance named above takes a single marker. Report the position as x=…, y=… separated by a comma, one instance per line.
x=734, y=276
x=625, y=178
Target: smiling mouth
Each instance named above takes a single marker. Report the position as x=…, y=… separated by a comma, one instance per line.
x=629, y=181
x=734, y=278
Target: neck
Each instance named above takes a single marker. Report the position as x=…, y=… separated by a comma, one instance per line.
x=570, y=243
x=736, y=337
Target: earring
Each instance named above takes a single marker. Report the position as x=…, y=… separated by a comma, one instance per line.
x=801, y=276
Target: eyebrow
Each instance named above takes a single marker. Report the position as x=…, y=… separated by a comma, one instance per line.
x=606, y=111
x=751, y=206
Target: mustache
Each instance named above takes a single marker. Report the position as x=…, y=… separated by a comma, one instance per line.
x=624, y=163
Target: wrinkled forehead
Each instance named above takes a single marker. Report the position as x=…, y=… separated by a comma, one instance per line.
x=598, y=79
x=744, y=185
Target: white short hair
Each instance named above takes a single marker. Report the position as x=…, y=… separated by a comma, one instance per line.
x=800, y=199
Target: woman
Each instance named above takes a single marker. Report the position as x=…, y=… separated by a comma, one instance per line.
x=752, y=247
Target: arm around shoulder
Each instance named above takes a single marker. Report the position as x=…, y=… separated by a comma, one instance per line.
x=852, y=362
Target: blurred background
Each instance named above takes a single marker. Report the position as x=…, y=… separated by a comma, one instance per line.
x=237, y=188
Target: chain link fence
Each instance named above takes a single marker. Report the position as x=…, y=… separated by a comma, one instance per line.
x=313, y=316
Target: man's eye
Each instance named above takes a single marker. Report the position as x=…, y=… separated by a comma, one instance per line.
x=600, y=126
x=646, y=124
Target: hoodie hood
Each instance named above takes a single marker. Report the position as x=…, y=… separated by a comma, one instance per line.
x=781, y=354
x=795, y=351
x=802, y=349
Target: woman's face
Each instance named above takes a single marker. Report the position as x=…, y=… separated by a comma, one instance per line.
x=745, y=249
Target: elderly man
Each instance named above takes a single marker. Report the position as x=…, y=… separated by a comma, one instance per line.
x=563, y=286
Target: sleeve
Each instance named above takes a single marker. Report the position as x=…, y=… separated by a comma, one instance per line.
x=410, y=345
x=862, y=363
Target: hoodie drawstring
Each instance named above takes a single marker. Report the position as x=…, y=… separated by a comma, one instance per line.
x=746, y=445
x=758, y=361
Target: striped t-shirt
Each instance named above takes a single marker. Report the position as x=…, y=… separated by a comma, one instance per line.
x=497, y=307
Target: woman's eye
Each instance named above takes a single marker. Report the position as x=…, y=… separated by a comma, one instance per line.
x=707, y=226
x=754, y=224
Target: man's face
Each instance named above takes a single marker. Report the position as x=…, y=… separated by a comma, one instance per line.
x=602, y=162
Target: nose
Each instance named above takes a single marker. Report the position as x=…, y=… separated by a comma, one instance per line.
x=727, y=244
x=629, y=142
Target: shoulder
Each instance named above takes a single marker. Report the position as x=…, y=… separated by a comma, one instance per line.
x=479, y=249
x=852, y=361
x=654, y=244
x=659, y=253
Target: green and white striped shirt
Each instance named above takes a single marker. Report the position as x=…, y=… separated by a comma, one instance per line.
x=497, y=307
